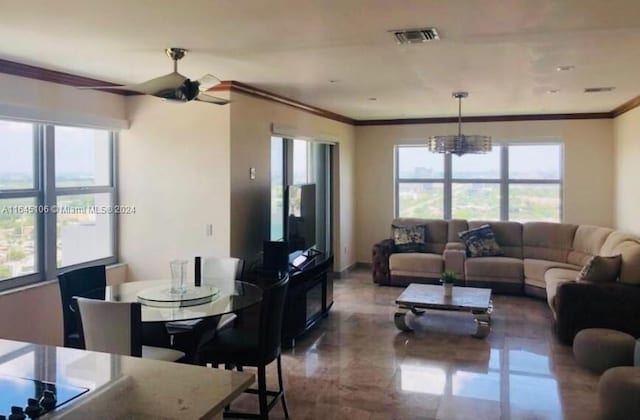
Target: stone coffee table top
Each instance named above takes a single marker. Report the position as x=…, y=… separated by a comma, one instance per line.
x=429, y=296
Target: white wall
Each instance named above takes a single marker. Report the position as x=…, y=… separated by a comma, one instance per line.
x=626, y=133
x=588, y=176
x=34, y=313
x=173, y=167
x=251, y=129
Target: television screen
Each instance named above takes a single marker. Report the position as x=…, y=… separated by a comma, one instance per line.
x=301, y=217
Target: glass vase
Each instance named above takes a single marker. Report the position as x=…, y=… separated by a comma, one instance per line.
x=178, y=276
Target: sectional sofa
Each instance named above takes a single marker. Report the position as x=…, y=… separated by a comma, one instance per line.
x=540, y=259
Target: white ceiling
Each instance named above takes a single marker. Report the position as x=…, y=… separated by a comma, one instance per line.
x=505, y=53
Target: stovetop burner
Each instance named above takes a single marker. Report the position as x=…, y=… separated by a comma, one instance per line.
x=22, y=398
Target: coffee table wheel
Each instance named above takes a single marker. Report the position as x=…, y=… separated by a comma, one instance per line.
x=400, y=319
x=417, y=311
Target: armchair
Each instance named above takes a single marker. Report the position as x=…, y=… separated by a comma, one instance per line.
x=581, y=305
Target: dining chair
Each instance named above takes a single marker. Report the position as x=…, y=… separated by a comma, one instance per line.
x=219, y=272
x=116, y=327
x=240, y=347
x=85, y=282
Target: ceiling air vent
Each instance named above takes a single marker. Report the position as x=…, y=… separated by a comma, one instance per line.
x=415, y=36
x=599, y=89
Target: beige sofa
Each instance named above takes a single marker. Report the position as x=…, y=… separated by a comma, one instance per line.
x=538, y=256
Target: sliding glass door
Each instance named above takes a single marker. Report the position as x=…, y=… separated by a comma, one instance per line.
x=299, y=162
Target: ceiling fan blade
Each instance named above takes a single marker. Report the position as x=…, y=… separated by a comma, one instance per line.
x=202, y=97
x=119, y=87
x=207, y=82
x=160, y=84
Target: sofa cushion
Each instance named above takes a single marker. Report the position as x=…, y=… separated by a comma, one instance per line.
x=436, y=232
x=587, y=242
x=409, y=238
x=534, y=270
x=481, y=242
x=547, y=241
x=553, y=278
x=456, y=226
x=629, y=247
x=494, y=269
x=601, y=269
x=416, y=264
x=508, y=235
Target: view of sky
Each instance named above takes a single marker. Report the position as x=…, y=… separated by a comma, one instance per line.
x=16, y=147
x=75, y=148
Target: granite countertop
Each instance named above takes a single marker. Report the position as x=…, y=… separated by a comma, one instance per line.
x=122, y=386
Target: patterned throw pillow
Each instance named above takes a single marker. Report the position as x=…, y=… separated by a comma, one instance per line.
x=410, y=238
x=601, y=269
x=481, y=242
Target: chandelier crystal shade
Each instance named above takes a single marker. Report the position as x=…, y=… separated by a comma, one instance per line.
x=459, y=144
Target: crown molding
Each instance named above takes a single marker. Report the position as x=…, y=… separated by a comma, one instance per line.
x=487, y=118
x=39, y=73
x=627, y=106
x=53, y=76
x=235, y=86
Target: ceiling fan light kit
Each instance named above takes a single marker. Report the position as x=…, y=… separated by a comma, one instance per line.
x=459, y=144
x=174, y=86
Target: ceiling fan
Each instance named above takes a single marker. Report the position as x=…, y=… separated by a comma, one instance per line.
x=174, y=86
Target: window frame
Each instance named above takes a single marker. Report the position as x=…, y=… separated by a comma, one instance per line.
x=503, y=181
x=45, y=193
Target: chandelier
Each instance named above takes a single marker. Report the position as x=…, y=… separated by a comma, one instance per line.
x=459, y=144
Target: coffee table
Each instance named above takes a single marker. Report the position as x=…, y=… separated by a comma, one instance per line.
x=418, y=297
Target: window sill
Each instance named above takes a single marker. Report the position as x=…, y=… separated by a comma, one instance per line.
x=48, y=282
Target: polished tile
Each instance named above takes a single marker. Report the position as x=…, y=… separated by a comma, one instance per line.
x=357, y=365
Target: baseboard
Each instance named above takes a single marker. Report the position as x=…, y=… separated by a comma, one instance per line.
x=348, y=270
x=364, y=265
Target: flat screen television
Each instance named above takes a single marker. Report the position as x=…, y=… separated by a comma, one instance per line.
x=300, y=226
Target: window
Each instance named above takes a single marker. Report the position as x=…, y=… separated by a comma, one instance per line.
x=19, y=192
x=475, y=189
x=84, y=195
x=535, y=182
x=420, y=186
x=277, y=189
x=300, y=161
x=57, y=200
x=520, y=182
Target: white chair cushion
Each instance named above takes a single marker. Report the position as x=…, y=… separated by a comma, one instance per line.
x=161, y=353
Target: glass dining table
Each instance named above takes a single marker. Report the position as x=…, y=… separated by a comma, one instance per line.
x=224, y=298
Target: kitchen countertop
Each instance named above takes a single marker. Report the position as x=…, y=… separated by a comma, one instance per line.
x=123, y=386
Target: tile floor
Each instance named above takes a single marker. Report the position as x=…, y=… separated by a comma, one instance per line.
x=357, y=365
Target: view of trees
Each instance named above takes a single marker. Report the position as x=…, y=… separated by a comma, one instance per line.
x=18, y=228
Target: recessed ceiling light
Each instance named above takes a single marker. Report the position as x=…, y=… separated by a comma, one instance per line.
x=565, y=68
x=373, y=99
x=599, y=89
x=552, y=91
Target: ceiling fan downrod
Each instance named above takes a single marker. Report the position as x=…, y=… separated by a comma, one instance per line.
x=175, y=54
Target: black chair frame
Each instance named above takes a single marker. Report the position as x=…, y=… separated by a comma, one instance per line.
x=269, y=349
x=86, y=282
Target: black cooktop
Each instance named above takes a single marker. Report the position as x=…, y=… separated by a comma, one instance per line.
x=29, y=398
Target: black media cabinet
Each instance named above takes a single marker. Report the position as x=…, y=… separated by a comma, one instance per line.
x=309, y=298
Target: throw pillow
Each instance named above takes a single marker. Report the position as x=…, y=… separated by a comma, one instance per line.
x=601, y=269
x=481, y=242
x=410, y=238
